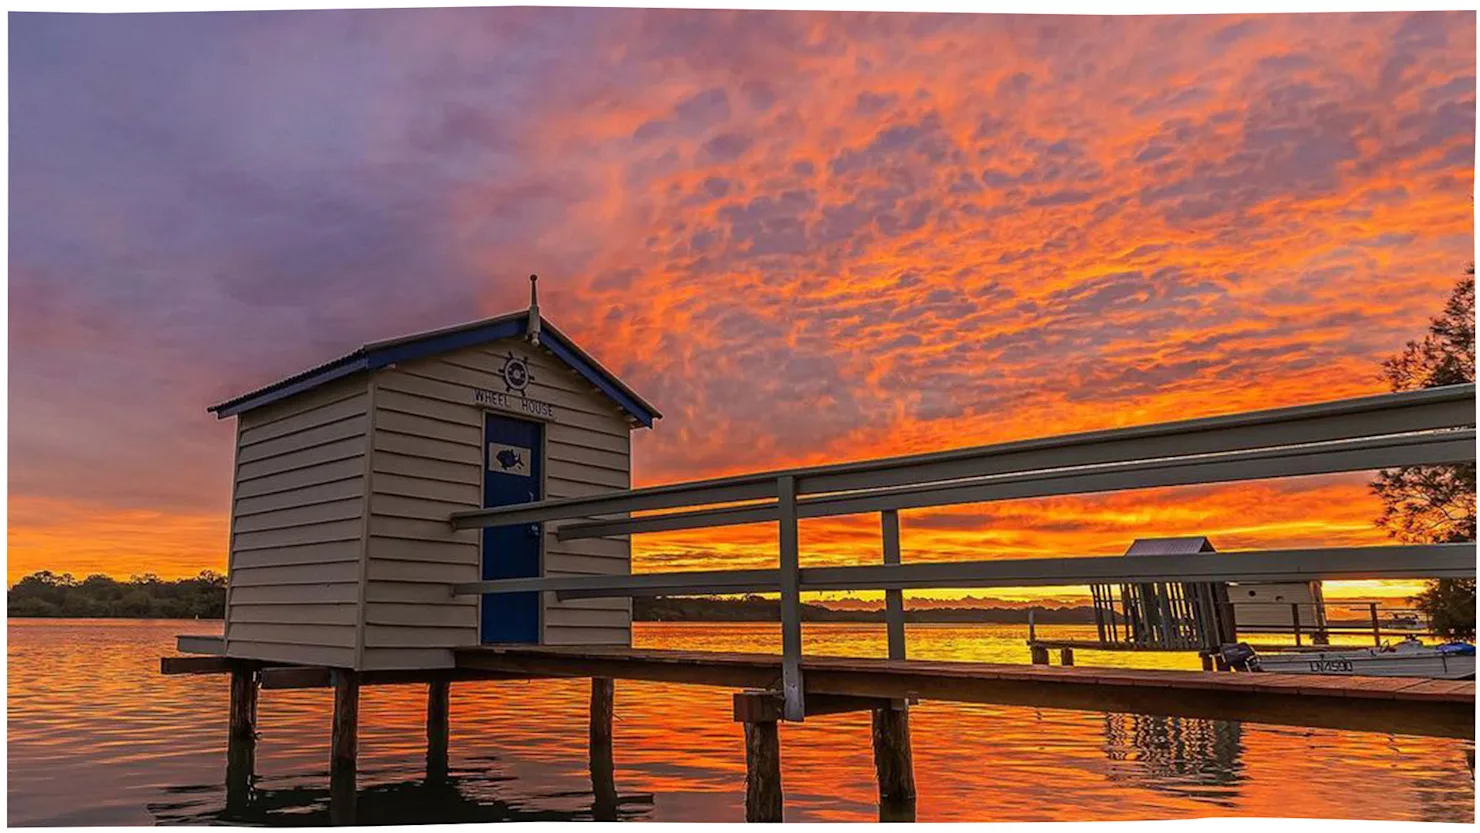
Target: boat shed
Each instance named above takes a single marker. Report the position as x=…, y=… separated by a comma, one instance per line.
x=341, y=550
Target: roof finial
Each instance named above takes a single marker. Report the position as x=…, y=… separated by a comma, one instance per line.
x=534, y=310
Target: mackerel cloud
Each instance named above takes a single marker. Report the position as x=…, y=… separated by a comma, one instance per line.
x=805, y=237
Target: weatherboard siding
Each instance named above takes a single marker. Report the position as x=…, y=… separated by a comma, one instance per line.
x=427, y=435
x=298, y=505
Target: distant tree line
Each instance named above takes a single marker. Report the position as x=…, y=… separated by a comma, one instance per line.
x=46, y=594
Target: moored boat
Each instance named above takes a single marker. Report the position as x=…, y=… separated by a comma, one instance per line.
x=1409, y=658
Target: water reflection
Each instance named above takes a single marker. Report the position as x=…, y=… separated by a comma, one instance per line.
x=470, y=795
x=1191, y=757
x=88, y=706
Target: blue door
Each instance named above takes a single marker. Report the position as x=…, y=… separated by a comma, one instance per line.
x=512, y=469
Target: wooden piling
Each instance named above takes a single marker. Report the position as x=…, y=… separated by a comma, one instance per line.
x=1066, y=656
x=897, y=811
x=762, y=772
x=243, y=702
x=241, y=741
x=1039, y=654
x=345, y=745
x=603, y=770
x=439, y=719
x=602, y=691
x=893, y=760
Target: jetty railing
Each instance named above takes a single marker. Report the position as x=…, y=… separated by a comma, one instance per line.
x=1427, y=427
x=1369, y=618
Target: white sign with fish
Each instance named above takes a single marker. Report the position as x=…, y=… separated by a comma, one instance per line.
x=508, y=459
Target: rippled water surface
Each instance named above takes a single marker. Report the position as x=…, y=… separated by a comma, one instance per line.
x=97, y=736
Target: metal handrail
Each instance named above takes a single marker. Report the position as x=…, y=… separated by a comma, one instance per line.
x=1362, y=454
x=1283, y=565
x=1452, y=406
x=1426, y=427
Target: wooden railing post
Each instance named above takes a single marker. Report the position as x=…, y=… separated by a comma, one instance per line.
x=791, y=599
x=1295, y=621
x=893, y=599
x=1376, y=626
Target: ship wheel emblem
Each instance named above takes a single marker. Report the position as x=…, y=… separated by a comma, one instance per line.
x=516, y=374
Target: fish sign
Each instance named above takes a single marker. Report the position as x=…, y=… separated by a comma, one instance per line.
x=508, y=459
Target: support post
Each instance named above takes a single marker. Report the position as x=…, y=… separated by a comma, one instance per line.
x=241, y=742
x=893, y=599
x=1376, y=626
x=345, y=744
x=1066, y=656
x=1039, y=654
x=1295, y=621
x=1207, y=662
x=603, y=771
x=893, y=760
x=791, y=598
x=439, y=706
x=763, y=800
x=243, y=703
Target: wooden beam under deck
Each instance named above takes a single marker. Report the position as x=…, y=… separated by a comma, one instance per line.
x=197, y=665
x=1439, y=708
x=312, y=676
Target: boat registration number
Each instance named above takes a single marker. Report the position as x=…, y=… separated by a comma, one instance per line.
x=1331, y=666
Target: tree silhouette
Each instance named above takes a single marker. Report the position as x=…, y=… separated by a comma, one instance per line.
x=1436, y=504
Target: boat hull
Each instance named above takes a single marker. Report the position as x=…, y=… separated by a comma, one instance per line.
x=1364, y=664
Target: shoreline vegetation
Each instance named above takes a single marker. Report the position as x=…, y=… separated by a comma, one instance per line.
x=47, y=595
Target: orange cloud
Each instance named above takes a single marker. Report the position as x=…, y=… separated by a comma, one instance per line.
x=807, y=237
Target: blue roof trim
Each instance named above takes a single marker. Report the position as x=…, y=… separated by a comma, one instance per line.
x=557, y=345
x=386, y=353
x=349, y=365
x=420, y=348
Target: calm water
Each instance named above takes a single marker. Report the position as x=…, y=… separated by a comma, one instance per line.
x=97, y=736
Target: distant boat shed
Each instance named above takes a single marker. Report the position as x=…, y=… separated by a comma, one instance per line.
x=341, y=551
x=1200, y=615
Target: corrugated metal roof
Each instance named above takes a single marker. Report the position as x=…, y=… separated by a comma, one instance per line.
x=1170, y=546
x=419, y=345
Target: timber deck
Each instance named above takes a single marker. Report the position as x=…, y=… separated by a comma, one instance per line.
x=1401, y=705
x=1130, y=647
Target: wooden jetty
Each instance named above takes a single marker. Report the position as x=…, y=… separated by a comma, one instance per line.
x=882, y=687
x=454, y=507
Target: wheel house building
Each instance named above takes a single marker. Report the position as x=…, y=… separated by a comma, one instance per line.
x=342, y=554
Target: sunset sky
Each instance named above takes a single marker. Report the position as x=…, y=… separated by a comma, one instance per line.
x=805, y=237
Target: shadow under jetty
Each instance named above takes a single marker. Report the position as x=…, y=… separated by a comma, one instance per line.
x=441, y=799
